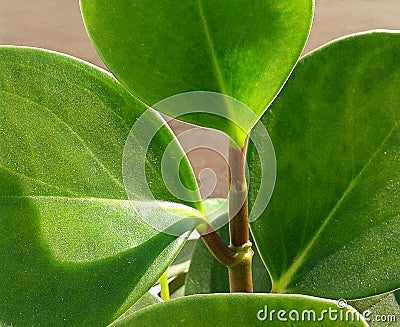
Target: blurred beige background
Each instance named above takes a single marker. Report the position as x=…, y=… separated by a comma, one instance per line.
x=57, y=25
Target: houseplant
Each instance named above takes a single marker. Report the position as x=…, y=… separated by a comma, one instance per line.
x=74, y=251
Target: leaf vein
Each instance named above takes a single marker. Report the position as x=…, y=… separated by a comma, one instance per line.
x=283, y=282
x=74, y=133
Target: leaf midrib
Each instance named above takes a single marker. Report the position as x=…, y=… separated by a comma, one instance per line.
x=280, y=285
x=66, y=198
x=33, y=179
x=211, y=47
x=98, y=199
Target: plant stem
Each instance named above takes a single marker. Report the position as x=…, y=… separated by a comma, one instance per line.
x=238, y=256
x=240, y=273
x=164, y=287
x=217, y=247
x=237, y=259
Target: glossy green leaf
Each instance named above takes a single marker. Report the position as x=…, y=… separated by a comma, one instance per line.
x=207, y=275
x=379, y=311
x=332, y=226
x=243, y=310
x=72, y=250
x=158, y=49
x=145, y=301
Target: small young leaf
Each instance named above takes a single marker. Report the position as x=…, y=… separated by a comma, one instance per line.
x=158, y=49
x=72, y=250
x=242, y=310
x=332, y=226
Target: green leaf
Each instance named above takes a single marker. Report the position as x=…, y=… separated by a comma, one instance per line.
x=72, y=249
x=242, y=310
x=379, y=311
x=332, y=226
x=162, y=48
x=145, y=301
x=182, y=262
x=207, y=275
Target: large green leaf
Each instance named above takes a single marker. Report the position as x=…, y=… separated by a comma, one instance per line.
x=72, y=250
x=207, y=275
x=332, y=226
x=242, y=310
x=158, y=49
x=379, y=311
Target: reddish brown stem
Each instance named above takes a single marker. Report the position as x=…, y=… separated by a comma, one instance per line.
x=217, y=247
x=240, y=273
